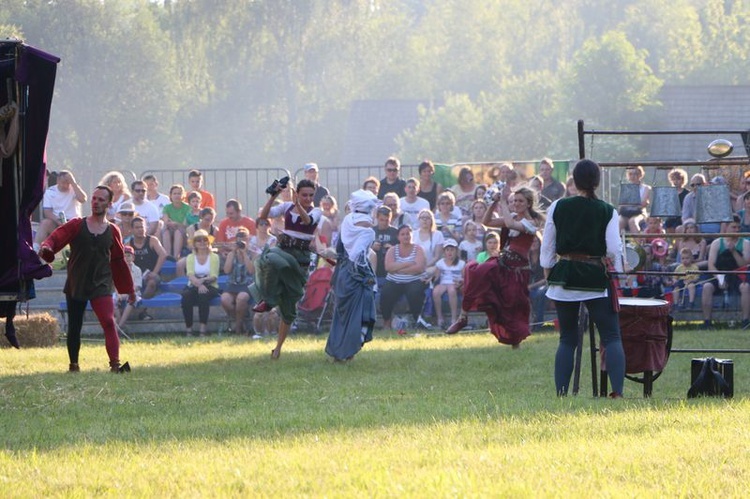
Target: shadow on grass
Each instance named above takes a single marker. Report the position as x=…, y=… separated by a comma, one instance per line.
x=387, y=385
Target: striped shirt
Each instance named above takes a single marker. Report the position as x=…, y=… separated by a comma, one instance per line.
x=411, y=257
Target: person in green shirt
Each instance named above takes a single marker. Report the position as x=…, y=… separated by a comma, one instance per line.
x=174, y=216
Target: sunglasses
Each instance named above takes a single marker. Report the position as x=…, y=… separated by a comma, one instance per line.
x=696, y=185
x=391, y=170
x=127, y=213
x=201, y=240
x=139, y=190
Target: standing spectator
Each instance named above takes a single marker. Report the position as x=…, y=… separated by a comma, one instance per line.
x=553, y=188
x=411, y=204
x=583, y=230
x=727, y=253
x=678, y=179
x=428, y=188
x=386, y=236
x=96, y=262
x=120, y=192
x=230, y=225
x=175, y=222
x=203, y=274
x=312, y=173
x=61, y=202
x=392, y=181
x=145, y=210
x=463, y=191
x=235, y=300
x=153, y=195
x=405, y=264
x=195, y=179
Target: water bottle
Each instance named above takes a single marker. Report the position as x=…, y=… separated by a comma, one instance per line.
x=62, y=217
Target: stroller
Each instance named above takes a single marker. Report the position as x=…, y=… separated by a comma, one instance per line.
x=316, y=306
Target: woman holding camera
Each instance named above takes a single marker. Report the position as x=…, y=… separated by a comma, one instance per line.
x=281, y=271
x=238, y=266
x=202, y=268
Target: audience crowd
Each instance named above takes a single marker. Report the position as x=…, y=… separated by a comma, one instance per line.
x=425, y=233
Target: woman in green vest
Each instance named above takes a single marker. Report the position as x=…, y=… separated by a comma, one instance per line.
x=580, y=233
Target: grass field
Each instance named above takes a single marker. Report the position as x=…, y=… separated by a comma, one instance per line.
x=414, y=416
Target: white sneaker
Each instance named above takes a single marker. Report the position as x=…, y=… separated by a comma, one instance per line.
x=423, y=323
x=256, y=336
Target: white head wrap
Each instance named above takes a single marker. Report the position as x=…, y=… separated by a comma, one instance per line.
x=356, y=238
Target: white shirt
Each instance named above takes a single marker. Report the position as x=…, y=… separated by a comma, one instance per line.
x=160, y=202
x=411, y=210
x=548, y=256
x=58, y=201
x=280, y=210
x=147, y=211
x=449, y=274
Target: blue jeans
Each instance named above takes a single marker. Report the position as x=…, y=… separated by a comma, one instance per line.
x=607, y=323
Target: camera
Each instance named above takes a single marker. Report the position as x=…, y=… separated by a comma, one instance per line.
x=241, y=245
x=282, y=182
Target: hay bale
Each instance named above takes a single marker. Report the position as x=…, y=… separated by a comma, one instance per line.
x=36, y=330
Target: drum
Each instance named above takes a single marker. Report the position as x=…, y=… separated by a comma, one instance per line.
x=644, y=326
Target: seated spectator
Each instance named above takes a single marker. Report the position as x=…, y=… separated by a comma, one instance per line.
x=386, y=236
x=463, y=191
x=371, y=184
x=469, y=248
x=479, y=192
x=206, y=219
x=478, y=209
x=744, y=191
x=727, y=253
x=195, y=179
x=392, y=201
x=552, y=189
x=696, y=245
x=144, y=209
x=264, y=323
x=448, y=218
x=744, y=213
x=120, y=192
x=631, y=216
x=537, y=286
x=194, y=216
x=175, y=222
x=149, y=256
x=687, y=282
x=235, y=300
x=405, y=264
x=428, y=188
x=262, y=237
x=312, y=174
x=411, y=204
x=570, y=188
x=430, y=239
x=392, y=182
x=61, y=202
x=449, y=279
x=202, y=274
x=491, y=247
x=678, y=179
x=123, y=309
x=153, y=195
x=229, y=226
x=124, y=220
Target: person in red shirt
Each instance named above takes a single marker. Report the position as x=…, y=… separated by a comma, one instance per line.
x=227, y=235
x=195, y=179
x=97, y=261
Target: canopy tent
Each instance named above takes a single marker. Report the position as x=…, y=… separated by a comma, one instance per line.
x=27, y=80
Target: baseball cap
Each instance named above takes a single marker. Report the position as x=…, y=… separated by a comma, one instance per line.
x=311, y=166
x=450, y=242
x=128, y=249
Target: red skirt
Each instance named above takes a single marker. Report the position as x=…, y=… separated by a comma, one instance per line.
x=499, y=287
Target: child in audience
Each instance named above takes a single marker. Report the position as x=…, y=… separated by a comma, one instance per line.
x=123, y=309
x=194, y=200
x=688, y=281
x=469, y=248
x=449, y=278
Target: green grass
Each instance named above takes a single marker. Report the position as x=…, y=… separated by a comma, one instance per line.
x=419, y=416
